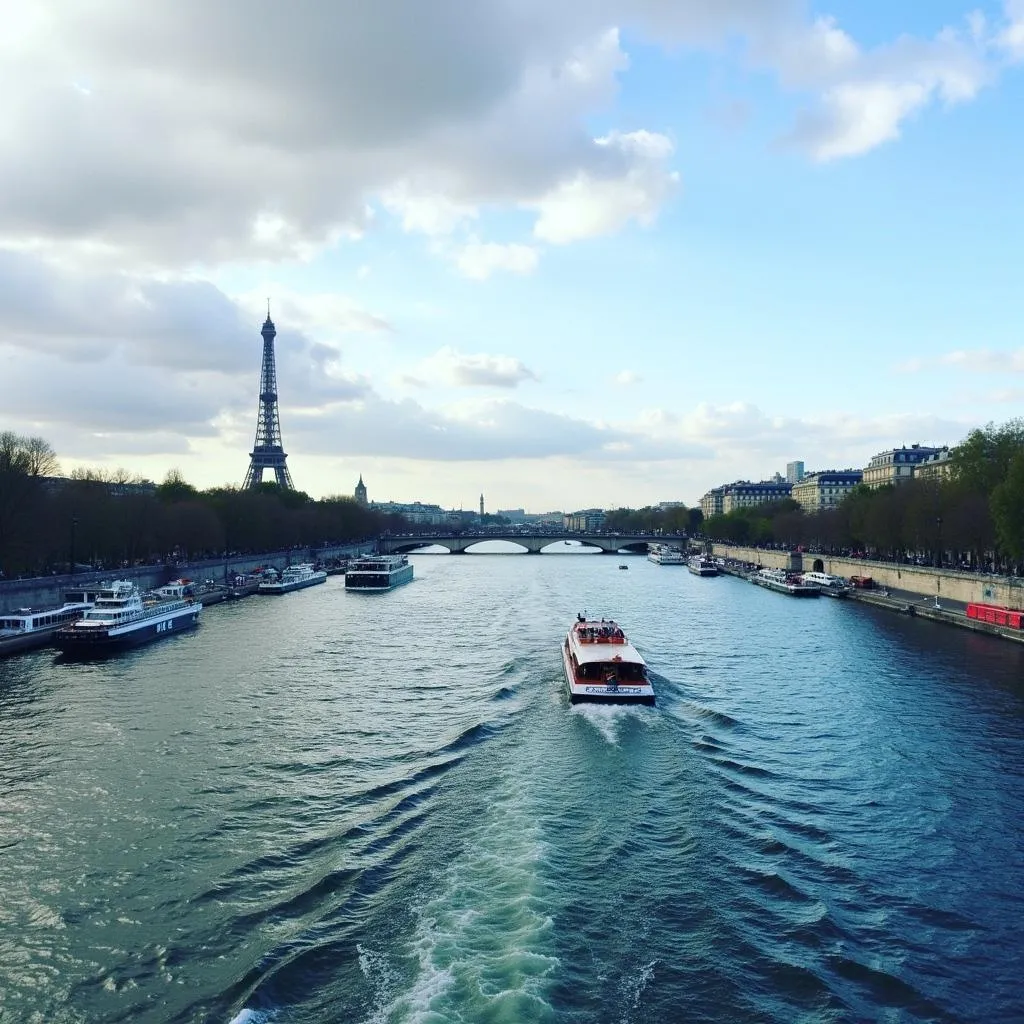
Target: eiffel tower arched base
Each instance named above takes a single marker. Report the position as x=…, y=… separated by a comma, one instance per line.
x=268, y=457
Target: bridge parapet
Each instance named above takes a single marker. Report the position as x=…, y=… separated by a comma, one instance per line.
x=534, y=543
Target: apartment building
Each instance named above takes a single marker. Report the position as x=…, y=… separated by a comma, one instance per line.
x=825, y=489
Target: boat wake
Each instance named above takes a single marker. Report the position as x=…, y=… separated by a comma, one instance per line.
x=611, y=720
x=482, y=946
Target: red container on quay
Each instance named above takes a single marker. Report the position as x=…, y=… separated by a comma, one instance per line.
x=994, y=614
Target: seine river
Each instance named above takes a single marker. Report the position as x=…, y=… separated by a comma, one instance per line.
x=335, y=807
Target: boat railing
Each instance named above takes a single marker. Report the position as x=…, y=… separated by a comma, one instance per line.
x=600, y=635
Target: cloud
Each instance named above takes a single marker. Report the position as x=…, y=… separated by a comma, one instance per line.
x=239, y=130
x=483, y=431
x=742, y=433
x=867, y=97
x=969, y=360
x=985, y=361
x=627, y=377
x=479, y=260
x=244, y=130
x=455, y=369
x=1011, y=38
x=589, y=205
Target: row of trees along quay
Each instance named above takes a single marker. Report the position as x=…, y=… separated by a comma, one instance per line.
x=93, y=518
x=972, y=519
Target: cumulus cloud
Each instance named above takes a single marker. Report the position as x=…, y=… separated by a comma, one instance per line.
x=479, y=260
x=589, y=204
x=866, y=97
x=485, y=431
x=450, y=367
x=1010, y=38
x=243, y=130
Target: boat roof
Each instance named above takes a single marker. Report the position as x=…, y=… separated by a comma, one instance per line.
x=588, y=654
x=599, y=651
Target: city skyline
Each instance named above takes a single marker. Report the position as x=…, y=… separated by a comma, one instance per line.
x=594, y=255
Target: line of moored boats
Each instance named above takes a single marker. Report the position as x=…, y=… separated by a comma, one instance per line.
x=783, y=581
x=117, y=615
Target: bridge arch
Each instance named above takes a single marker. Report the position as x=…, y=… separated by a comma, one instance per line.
x=819, y=565
x=533, y=542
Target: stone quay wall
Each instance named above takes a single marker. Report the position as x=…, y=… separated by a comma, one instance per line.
x=1004, y=591
x=46, y=591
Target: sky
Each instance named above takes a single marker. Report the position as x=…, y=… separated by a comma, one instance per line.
x=587, y=253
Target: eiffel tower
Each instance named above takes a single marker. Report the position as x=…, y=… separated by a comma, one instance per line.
x=267, y=452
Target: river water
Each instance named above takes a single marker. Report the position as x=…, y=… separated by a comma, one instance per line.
x=335, y=807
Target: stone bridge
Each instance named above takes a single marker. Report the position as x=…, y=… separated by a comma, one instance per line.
x=532, y=543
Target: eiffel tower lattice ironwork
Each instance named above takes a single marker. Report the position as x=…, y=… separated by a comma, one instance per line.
x=268, y=452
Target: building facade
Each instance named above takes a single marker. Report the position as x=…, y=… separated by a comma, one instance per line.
x=744, y=494
x=711, y=503
x=897, y=465
x=794, y=472
x=825, y=490
x=585, y=521
x=413, y=512
x=937, y=467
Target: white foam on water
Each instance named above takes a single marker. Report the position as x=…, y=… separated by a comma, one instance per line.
x=482, y=945
x=253, y=1017
x=610, y=719
x=634, y=986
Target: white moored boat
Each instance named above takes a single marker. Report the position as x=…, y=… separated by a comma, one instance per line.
x=665, y=554
x=602, y=666
x=701, y=565
x=120, y=618
x=831, y=586
x=294, y=577
x=28, y=628
x=378, y=572
x=784, y=583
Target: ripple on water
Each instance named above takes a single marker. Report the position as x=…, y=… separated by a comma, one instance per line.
x=325, y=808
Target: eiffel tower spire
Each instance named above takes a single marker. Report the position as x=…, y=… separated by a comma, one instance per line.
x=267, y=452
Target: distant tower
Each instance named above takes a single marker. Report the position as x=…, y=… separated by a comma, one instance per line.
x=267, y=452
x=481, y=506
x=361, y=491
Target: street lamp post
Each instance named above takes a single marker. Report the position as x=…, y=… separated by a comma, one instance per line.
x=74, y=524
x=938, y=530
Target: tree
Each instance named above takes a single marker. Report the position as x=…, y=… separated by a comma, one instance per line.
x=982, y=460
x=174, y=488
x=40, y=458
x=1007, y=505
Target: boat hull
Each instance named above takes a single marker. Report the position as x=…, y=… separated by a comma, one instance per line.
x=378, y=582
x=287, y=588
x=32, y=641
x=592, y=692
x=791, y=589
x=95, y=643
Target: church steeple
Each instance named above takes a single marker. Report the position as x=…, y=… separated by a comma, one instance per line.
x=361, y=491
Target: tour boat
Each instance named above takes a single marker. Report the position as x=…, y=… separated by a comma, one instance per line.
x=664, y=554
x=784, y=583
x=29, y=628
x=120, y=618
x=701, y=565
x=378, y=572
x=602, y=666
x=831, y=586
x=294, y=577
